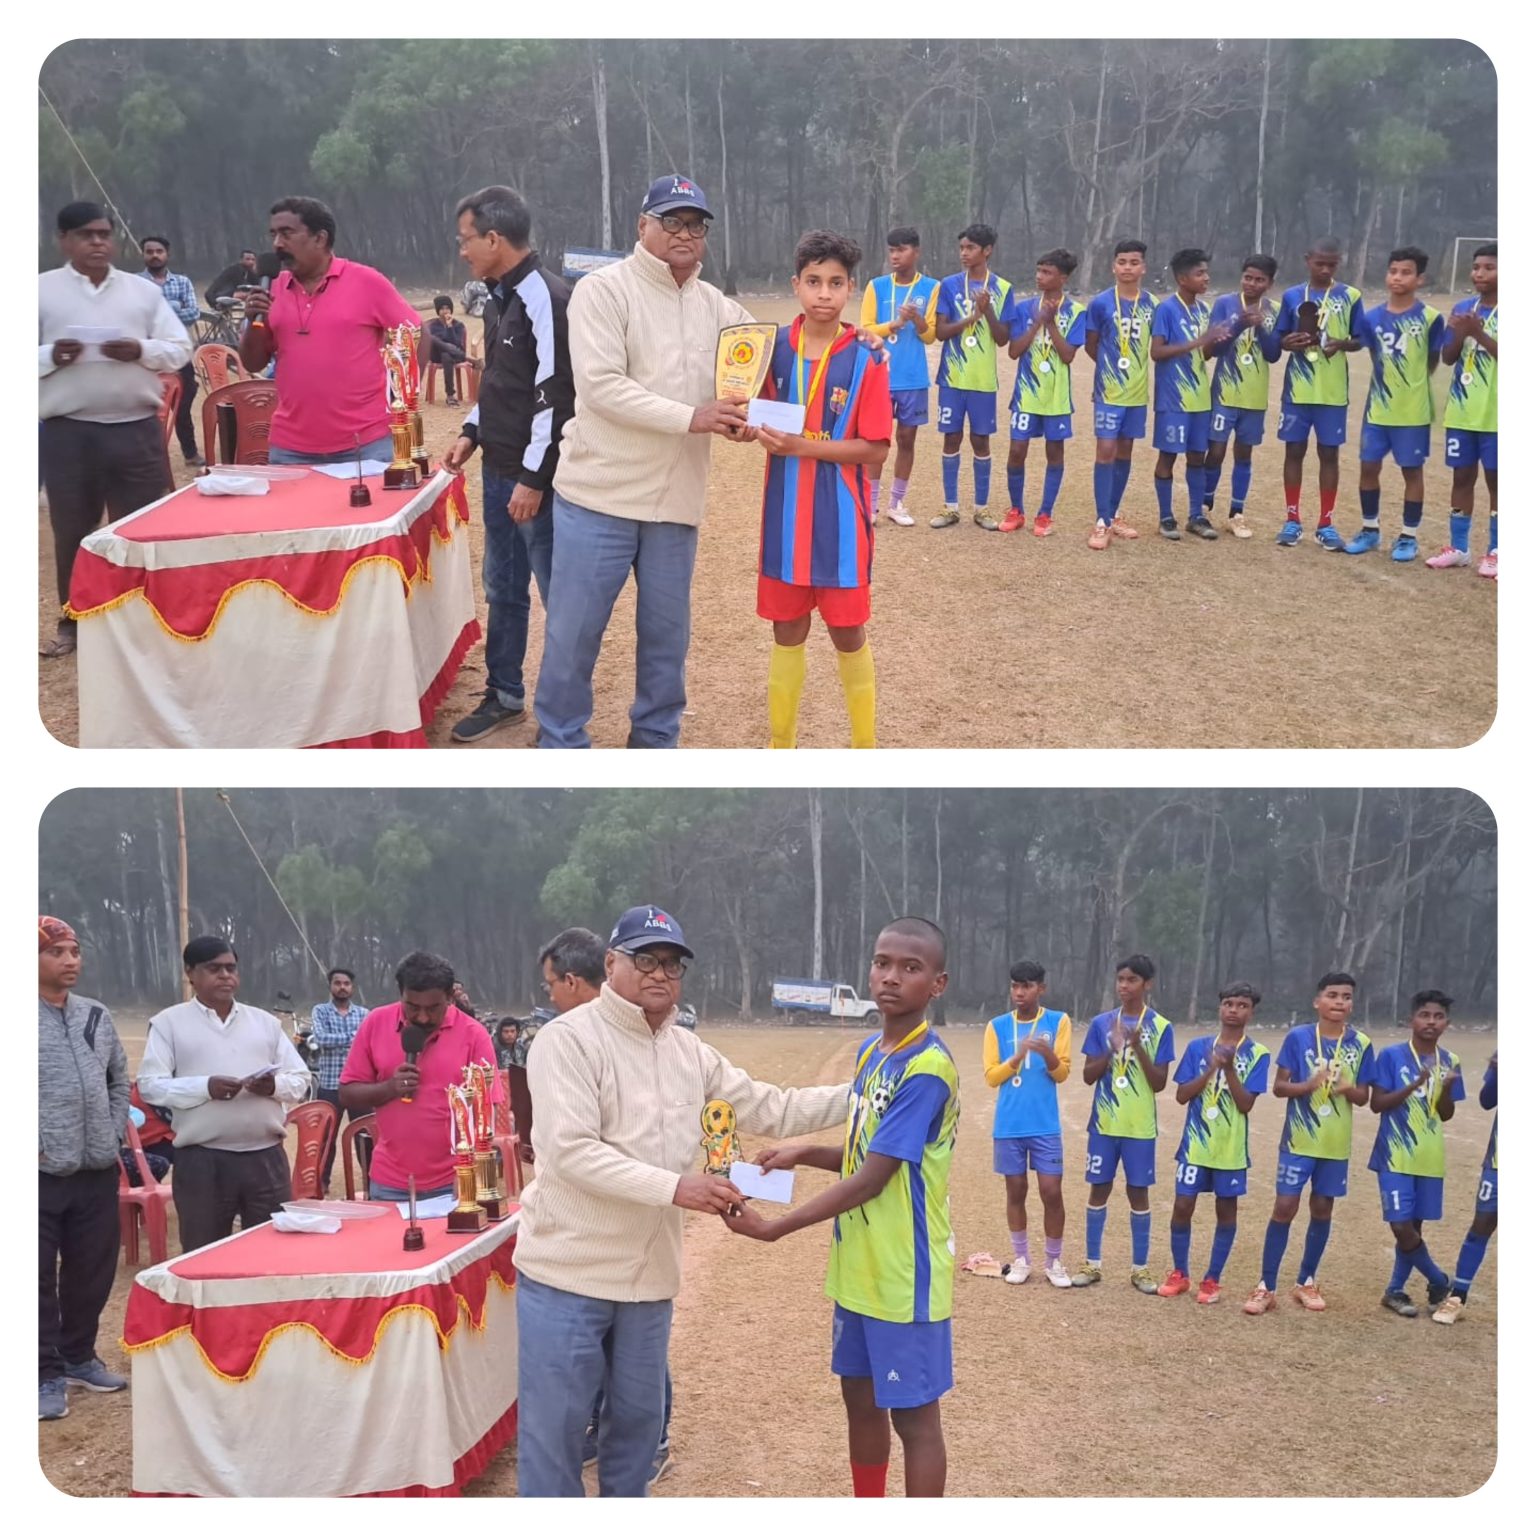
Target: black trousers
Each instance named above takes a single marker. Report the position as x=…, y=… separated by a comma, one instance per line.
x=186, y=432
x=448, y=357
x=213, y=1187
x=91, y=467
x=77, y=1236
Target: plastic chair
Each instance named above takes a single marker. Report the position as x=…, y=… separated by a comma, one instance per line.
x=511, y=1151
x=316, y=1122
x=170, y=404
x=254, y=401
x=218, y=364
x=521, y=1103
x=466, y=382
x=149, y=1204
x=366, y=1125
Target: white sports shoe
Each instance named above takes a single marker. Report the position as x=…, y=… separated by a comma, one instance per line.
x=898, y=514
x=1018, y=1272
x=1448, y=559
x=1056, y=1273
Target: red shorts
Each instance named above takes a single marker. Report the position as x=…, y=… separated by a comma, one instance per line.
x=841, y=607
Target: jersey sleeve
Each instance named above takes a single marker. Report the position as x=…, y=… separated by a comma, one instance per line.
x=1361, y=329
x=1093, y=324
x=869, y=312
x=1095, y=1042
x=906, y=1125
x=993, y=1068
x=1290, y=1058
x=1382, y=1071
x=1368, y=1059
x=927, y=330
x=1076, y=328
x=1164, y=326
x=1459, y=1084
x=1063, y=1049
x=1188, y=1068
x=1164, y=1048
x=1019, y=318
x=1437, y=335
x=1256, y=1079
x=1489, y=1097
x=874, y=423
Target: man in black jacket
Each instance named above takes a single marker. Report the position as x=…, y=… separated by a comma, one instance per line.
x=526, y=398
x=238, y=274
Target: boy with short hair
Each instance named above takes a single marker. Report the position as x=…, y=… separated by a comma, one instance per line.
x=1323, y=1071
x=816, y=545
x=1025, y=1054
x=1315, y=395
x=1486, y=1219
x=972, y=322
x=1405, y=337
x=900, y=307
x=1047, y=329
x=1472, y=412
x=1182, y=338
x=1126, y=1059
x=1415, y=1089
x=1240, y=385
x=1119, y=340
x=892, y=1265
x=1220, y=1078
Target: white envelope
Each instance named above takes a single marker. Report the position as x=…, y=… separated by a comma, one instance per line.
x=778, y=1186
x=780, y=415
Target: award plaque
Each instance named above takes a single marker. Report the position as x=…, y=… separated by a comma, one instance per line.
x=742, y=358
x=1308, y=321
x=401, y=375
x=721, y=1145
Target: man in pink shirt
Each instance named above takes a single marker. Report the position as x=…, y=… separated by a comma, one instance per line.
x=410, y=1102
x=323, y=320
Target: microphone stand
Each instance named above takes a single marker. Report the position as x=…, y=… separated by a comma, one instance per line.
x=415, y=1238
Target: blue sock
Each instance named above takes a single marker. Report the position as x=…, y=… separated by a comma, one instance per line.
x=1413, y=515
x=1094, y=1242
x=1426, y=1266
x=1194, y=483
x=1164, y=489
x=1461, y=531
x=1016, y=487
x=1103, y=491
x=1493, y=533
x=1212, y=480
x=1275, y=1239
x=1053, y=474
x=950, y=463
x=1370, y=507
x=1221, y=1249
x=1141, y=1238
x=1178, y=1240
x=1242, y=478
x=1469, y=1262
x=1122, y=478
x=981, y=470
x=1312, y=1249
x=1402, y=1267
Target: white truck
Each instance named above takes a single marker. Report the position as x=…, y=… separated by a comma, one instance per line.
x=835, y=998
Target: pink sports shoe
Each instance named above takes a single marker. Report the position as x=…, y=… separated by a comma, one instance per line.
x=1490, y=565
x=1448, y=558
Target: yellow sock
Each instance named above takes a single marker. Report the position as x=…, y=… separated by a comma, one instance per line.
x=786, y=682
x=857, y=669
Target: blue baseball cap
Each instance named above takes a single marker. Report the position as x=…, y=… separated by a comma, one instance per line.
x=669, y=193
x=644, y=927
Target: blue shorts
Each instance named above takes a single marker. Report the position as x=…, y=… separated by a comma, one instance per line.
x=1329, y=422
x=1247, y=423
x=1181, y=431
x=958, y=406
x=1119, y=420
x=1018, y=1154
x=1136, y=1155
x=1488, y=1193
x=1409, y=446
x=1464, y=447
x=1193, y=1179
x=1328, y=1176
x=910, y=1363
x=1409, y=1196
x=1023, y=425
x=910, y=406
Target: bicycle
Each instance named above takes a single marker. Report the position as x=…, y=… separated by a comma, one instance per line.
x=222, y=326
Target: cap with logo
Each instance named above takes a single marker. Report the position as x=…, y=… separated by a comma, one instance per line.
x=669, y=193
x=643, y=927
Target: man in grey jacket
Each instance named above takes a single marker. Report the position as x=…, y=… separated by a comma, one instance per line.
x=82, y=1115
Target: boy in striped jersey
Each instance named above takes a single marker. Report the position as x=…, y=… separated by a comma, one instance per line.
x=1472, y=413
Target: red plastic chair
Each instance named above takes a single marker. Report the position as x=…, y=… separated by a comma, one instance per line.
x=511, y=1150
x=466, y=382
x=218, y=364
x=521, y=1102
x=367, y=1124
x=316, y=1122
x=255, y=401
x=149, y=1203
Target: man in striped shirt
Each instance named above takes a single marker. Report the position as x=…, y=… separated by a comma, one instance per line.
x=333, y=1027
x=182, y=298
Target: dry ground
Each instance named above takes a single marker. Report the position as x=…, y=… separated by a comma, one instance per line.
x=1329, y=1393
x=984, y=640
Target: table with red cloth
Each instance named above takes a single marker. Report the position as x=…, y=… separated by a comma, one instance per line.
x=325, y=1365
x=285, y=620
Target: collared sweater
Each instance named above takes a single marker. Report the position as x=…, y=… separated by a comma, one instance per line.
x=643, y=359
x=615, y=1126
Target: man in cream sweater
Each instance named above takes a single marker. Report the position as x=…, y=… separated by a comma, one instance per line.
x=618, y=1089
x=634, y=463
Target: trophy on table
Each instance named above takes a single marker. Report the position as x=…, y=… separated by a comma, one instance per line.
x=743, y=356
x=467, y=1215
x=490, y=1180
x=402, y=375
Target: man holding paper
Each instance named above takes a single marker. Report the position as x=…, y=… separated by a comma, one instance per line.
x=230, y=1074
x=618, y=1091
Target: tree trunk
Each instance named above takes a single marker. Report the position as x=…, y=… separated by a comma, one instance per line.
x=1205, y=907
x=817, y=951
x=1258, y=194
x=1349, y=873
x=906, y=885
x=688, y=170
x=1363, y=255
x=725, y=191
x=600, y=108
x=1089, y=233
x=938, y=857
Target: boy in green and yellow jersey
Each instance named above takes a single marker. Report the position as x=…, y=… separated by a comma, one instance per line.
x=1472, y=412
x=1240, y=385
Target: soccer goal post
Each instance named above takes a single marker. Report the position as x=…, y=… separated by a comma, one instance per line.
x=1460, y=265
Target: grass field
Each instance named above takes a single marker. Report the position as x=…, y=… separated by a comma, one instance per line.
x=985, y=640
x=1285, y=1404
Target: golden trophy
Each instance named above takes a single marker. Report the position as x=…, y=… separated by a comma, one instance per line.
x=721, y=1145
x=466, y=1216
x=402, y=374
x=490, y=1192
x=742, y=359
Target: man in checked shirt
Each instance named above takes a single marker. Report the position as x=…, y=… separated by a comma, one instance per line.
x=182, y=298
x=332, y=1028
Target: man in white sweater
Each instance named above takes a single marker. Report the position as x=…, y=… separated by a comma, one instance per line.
x=634, y=464
x=99, y=393
x=229, y=1075
x=618, y=1090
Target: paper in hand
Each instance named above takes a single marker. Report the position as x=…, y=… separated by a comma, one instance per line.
x=755, y=1184
x=778, y=415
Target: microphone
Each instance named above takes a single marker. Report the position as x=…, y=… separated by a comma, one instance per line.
x=261, y=320
x=414, y=1038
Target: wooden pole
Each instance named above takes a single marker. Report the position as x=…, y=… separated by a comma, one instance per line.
x=181, y=894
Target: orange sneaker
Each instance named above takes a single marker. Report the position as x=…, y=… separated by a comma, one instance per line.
x=1309, y=1297
x=1099, y=538
x=1210, y=1290
x=1260, y=1300
x=1175, y=1285
x=1123, y=530
x=1012, y=521
x=1043, y=526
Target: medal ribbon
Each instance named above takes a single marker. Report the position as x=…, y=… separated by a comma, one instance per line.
x=1335, y=1065
x=1028, y=1060
x=816, y=378
x=1218, y=1083
x=898, y=299
x=1127, y=1052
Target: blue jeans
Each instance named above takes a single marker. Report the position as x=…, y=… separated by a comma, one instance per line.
x=594, y=554
x=377, y=1191
x=379, y=448
x=513, y=552
x=571, y=1347
x=666, y=1420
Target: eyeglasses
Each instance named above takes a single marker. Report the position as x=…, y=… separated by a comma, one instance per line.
x=647, y=964
x=222, y=967
x=695, y=229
